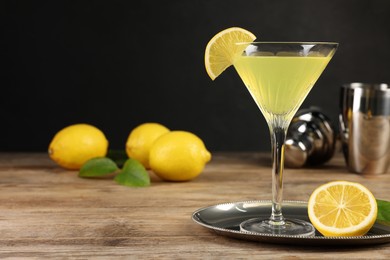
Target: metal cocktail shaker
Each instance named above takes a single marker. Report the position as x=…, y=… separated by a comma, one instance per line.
x=310, y=140
x=365, y=127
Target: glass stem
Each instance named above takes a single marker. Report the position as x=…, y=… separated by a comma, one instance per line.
x=278, y=137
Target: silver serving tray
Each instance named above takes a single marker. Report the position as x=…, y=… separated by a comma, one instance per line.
x=225, y=219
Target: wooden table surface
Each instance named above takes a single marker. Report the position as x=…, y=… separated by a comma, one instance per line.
x=46, y=211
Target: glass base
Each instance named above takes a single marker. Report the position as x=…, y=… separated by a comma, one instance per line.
x=292, y=227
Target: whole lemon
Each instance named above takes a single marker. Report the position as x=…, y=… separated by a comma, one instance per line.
x=72, y=146
x=178, y=156
x=141, y=139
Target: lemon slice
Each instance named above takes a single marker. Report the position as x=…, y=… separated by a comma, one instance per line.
x=342, y=208
x=222, y=48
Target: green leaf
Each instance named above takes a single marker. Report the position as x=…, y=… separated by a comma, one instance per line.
x=98, y=167
x=133, y=174
x=383, y=211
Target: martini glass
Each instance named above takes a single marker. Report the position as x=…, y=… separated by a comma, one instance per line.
x=279, y=76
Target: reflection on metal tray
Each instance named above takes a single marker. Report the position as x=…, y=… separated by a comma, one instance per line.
x=225, y=219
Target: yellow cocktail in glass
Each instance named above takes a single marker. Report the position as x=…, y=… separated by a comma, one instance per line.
x=279, y=76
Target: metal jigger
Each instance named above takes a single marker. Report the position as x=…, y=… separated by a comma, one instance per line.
x=310, y=139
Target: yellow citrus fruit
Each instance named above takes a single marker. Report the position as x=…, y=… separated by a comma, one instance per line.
x=141, y=139
x=72, y=146
x=222, y=48
x=178, y=156
x=342, y=208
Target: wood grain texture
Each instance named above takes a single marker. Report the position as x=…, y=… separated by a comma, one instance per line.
x=46, y=211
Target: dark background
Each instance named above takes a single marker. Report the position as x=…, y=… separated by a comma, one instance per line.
x=117, y=64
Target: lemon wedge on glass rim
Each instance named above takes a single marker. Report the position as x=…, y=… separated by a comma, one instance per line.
x=222, y=48
x=342, y=208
